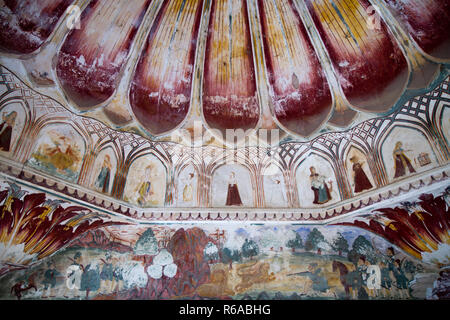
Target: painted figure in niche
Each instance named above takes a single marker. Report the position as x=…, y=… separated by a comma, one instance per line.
x=272, y=196
x=6, y=128
x=188, y=190
x=233, y=197
x=145, y=188
x=51, y=276
x=102, y=182
x=63, y=155
x=401, y=161
x=322, y=193
x=361, y=181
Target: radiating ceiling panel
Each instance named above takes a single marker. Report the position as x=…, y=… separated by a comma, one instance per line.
x=229, y=88
x=371, y=68
x=160, y=92
x=300, y=94
x=427, y=21
x=26, y=24
x=91, y=58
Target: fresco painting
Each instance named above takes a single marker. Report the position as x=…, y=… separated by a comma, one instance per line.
x=228, y=190
x=446, y=123
x=358, y=171
x=408, y=156
x=146, y=182
x=316, y=182
x=59, y=151
x=187, y=187
x=11, y=125
x=276, y=261
x=104, y=171
x=100, y=198
x=274, y=188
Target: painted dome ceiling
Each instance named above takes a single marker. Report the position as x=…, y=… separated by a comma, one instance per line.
x=152, y=67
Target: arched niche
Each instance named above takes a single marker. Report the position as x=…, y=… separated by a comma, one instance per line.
x=103, y=171
x=13, y=117
x=222, y=186
x=414, y=148
x=146, y=182
x=187, y=187
x=58, y=150
x=358, y=171
x=305, y=182
x=274, y=187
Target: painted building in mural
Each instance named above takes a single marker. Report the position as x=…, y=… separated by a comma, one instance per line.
x=224, y=149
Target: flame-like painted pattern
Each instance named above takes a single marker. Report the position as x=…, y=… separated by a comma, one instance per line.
x=427, y=21
x=299, y=91
x=38, y=227
x=371, y=67
x=92, y=57
x=161, y=89
x=229, y=87
x=415, y=230
x=26, y=24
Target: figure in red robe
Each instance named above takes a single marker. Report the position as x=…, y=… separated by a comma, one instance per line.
x=6, y=128
x=361, y=181
x=233, y=197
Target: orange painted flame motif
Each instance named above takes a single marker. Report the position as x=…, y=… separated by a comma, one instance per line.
x=416, y=229
x=39, y=226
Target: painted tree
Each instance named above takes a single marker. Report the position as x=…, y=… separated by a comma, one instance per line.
x=249, y=249
x=295, y=243
x=340, y=244
x=362, y=247
x=312, y=241
x=211, y=253
x=229, y=256
x=146, y=244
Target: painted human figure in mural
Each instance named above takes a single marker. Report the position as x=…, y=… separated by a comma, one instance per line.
x=188, y=191
x=233, y=197
x=145, y=189
x=373, y=279
x=90, y=279
x=117, y=277
x=401, y=281
x=322, y=193
x=401, y=161
x=107, y=275
x=319, y=282
x=102, y=182
x=6, y=128
x=74, y=274
x=62, y=155
x=272, y=196
x=361, y=181
x=354, y=281
x=50, y=279
x=362, y=270
x=386, y=281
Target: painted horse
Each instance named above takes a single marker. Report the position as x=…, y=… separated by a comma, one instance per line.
x=343, y=271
